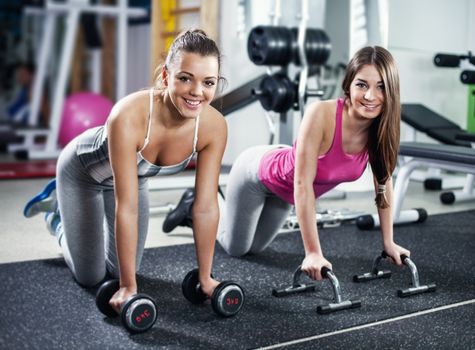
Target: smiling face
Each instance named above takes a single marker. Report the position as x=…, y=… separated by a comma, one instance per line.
x=367, y=92
x=191, y=81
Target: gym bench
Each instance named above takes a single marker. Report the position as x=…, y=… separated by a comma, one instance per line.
x=444, y=157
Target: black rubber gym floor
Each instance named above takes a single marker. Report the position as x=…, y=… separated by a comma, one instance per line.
x=43, y=308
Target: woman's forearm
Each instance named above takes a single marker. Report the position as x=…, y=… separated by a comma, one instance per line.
x=305, y=209
x=126, y=245
x=386, y=216
x=386, y=223
x=205, y=224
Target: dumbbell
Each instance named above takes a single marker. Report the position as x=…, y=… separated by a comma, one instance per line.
x=138, y=313
x=371, y=221
x=227, y=298
x=278, y=46
x=276, y=93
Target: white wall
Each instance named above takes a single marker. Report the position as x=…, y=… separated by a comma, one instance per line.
x=417, y=31
x=138, y=72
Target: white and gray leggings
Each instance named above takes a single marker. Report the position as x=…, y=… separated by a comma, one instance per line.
x=250, y=219
x=87, y=210
x=252, y=215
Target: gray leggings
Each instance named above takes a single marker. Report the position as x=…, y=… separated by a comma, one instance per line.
x=252, y=215
x=87, y=209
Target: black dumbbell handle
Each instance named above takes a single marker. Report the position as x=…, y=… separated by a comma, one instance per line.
x=386, y=255
x=446, y=60
x=468, y=76
x=324, y=271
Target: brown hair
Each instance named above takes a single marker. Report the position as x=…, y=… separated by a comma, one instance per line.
x=191, y=41
x=384, y=132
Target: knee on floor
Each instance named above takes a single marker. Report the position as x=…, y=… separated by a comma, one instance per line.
x=89, y=280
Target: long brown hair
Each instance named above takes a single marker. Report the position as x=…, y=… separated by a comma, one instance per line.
x=192, y=41
x=384, y=132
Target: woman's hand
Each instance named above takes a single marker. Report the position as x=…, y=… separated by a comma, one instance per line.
x=312, y=265
x=208, y=286
x=395, y=251
x=119, y=298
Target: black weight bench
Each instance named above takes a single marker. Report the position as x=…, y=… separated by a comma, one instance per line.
x=431, y=123
x=446, y=157
x=434, y=125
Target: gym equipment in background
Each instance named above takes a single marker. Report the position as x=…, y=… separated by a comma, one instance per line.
x=82, y=111
x=278, y=46
x=226, y=301
x=71, y=12
x=467, y=76
x=376, y=273
x=326, y=218
x=414, y=215
x=297, y=287
x=138, y=313
x=419, y=118
x=423, y=155
x=274, y=45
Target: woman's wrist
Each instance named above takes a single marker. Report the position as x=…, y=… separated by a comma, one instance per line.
x=314, y=251
x=128, y=282
x=388, y=243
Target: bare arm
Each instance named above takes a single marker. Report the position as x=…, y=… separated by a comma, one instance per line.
x=386, y=220
x=205, y=207
x=122, y=151
x=310, y=139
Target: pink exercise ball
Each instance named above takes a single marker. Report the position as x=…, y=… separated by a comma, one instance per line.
x=82, y=111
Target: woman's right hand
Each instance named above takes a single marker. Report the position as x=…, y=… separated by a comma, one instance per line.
x=312, y=265
x=119, y=298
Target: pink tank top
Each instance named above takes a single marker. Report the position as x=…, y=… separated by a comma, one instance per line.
x=276, y=170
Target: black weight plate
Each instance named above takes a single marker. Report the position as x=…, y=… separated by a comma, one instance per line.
x=139, y=313
x=104, y=295
x=228, y=299
x=190, y=290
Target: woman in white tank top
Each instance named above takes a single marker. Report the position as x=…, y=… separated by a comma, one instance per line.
x=102, y=173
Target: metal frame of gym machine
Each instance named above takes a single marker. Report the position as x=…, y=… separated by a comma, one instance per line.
x=72, y=10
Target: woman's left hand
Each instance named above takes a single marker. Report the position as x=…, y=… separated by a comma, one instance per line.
x=395, y=251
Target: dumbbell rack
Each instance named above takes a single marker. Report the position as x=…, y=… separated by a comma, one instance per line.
x=307, y=48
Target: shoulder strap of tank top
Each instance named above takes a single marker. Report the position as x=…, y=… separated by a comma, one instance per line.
x=147, y=138
x=337, y=138
x=195, y=139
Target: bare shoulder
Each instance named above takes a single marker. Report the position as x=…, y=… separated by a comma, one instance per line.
x=320, y=111
x=128, y=117
x=213, y=128
x=323, y=107
x=212, y=121
x=129, y=108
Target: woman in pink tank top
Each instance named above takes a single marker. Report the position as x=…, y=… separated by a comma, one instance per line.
x=370, y=124
x=336, y=140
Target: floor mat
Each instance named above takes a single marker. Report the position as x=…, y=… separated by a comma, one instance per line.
x=42, y=307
